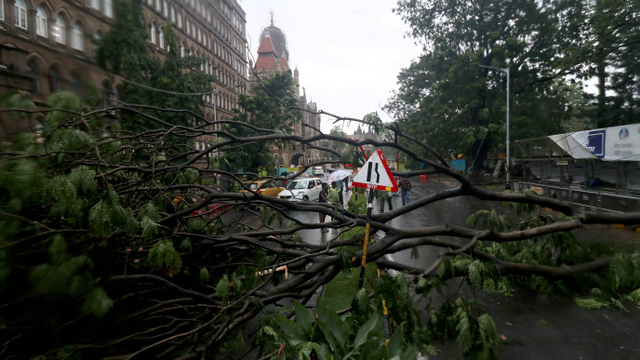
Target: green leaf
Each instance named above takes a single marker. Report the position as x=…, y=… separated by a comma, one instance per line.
x=204, y=275
x=97, y=302
x=364, y=331
x=222, y=289
x=163, y=255
x=395, y=343
x=149, y=228
x=590, y=304
x=303, y=318
x=292, y=332
x=476, y=270
x=634, y=296
x=335, y=330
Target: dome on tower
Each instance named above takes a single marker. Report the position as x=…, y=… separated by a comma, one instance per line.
x=278, y=38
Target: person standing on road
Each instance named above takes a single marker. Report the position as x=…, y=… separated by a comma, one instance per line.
x=323, y=198
x=405, y=187
x=340, y=185
x=334, y=194
x=385, y=196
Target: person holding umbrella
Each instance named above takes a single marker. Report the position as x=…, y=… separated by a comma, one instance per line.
x=337, y=177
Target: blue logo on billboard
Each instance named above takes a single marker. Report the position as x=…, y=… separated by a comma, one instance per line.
x=624, y=134
x=596, y=142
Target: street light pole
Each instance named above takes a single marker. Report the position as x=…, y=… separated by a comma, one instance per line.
x=507, y=71
x=508, y=185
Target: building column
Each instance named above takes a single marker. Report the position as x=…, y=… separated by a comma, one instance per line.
x=52, y=25
x=88, y=45
x=9, y=16
x=31, y=22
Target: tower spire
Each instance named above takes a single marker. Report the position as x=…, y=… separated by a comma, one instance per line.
x=271, y=12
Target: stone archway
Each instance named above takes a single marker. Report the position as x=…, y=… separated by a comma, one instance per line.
x=297, y=159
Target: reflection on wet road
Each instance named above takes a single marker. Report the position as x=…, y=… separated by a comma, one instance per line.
x=536, y=325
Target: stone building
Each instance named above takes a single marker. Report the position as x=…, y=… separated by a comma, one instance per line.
x=46, y=46
x=273, y=57
x=360, y=135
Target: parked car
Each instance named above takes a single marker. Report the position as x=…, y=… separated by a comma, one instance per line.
x=264, y=187
x=302, y=189
x=210, y=211
x=318, y=171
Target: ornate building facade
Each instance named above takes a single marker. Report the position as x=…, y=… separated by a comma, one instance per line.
x=46, y=46
x=273, y=57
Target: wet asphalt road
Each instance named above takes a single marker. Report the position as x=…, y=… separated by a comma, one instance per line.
x=536, y=325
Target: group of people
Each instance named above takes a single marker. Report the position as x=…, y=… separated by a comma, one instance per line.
x=337, y=186
x=405, y=187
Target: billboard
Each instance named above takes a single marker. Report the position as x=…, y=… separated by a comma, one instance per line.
x=617, y=143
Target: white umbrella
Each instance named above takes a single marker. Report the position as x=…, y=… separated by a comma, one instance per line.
x=337, y=175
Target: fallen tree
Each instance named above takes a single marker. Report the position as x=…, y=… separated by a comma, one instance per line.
x=114, y=245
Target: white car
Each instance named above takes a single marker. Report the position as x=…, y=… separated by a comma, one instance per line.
x=302, y=190
x=318, y=171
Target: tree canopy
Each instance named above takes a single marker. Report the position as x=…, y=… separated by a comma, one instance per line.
x=265, y=107
x=124, y=52
x=547, y=47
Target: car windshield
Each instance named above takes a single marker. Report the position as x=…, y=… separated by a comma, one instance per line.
x=297, y=185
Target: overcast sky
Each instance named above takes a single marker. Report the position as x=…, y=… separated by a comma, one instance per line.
x=348, y=52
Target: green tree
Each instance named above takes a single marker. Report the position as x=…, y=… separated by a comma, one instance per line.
x=460, y=106
x=124, y=51
x=266, y=108
x=615, y=38
x=337, y=131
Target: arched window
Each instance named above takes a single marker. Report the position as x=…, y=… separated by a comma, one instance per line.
x=41, y=22
x=35, y=71
x=161, y=39
x=179, y=20
x=173, y=15
x=2, y=10
x=158, y=5
x=95, y=4
x=188, y=27
x=108, y=8
x=20, y=14
x=165, y=9
x=75, y=84
x=181, y=50
x=54, y=80
x=77, y=37
x=61, y=29
x=153, y=33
